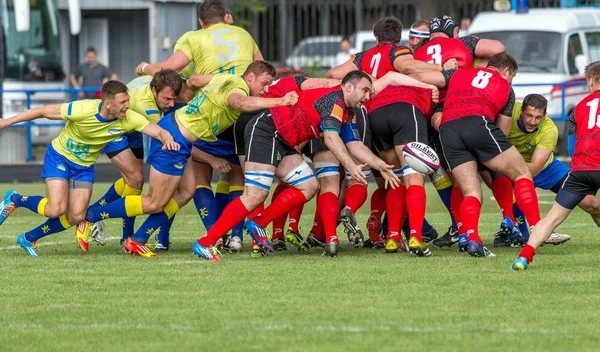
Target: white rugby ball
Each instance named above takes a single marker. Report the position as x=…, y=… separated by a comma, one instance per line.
x=421, y=157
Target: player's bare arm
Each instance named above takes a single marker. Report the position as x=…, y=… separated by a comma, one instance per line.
x=363, y=154
x=198, y=80
x=399, y=79
x=258, y=56
x=155, y=131
x=408, y=65
x=334, y=143
x=538, y=160
x=434, y=78
x=219, y=164
x=504, y=123
x=51, y=112
x=311, y=83
x=176, y=62
x=486, y=48
x=244, y=103
x=340, y=71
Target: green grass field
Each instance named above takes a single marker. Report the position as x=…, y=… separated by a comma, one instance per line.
x=364, y=300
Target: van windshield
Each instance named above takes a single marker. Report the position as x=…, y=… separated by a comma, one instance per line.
x=534, y=51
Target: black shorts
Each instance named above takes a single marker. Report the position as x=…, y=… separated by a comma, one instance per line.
x=239, y=131
x=558, y=185
x=397, y=124
x=577, y=185
x=362, y=125
x=471, y=138
x=263, y=143
x=436, y=144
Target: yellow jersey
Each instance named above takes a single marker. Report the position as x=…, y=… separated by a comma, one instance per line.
x=209, y=113
x=545, y=136
x=87, y=132
x=141, y=99
x=220, y=48
x=190, y=68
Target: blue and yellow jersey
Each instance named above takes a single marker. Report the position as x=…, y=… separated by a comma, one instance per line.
x=220, y=48
x=209, y=112
x=87, y=132
x=141, y=99
x=190, y=68
x=545, y=136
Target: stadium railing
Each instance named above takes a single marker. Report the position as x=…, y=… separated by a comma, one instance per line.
x=563, y=116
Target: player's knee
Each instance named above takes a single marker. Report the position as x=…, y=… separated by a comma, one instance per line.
x=75, y=217
x=54, y=210
x=590, y=204
x=309, y=188
x=135, y=179
x=411, y=177
x=303, y=179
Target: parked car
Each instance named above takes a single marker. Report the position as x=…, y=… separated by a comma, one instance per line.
x=552, y=47
x=315, y=52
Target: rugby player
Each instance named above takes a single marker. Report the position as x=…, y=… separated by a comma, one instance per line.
x=69, y=162
x=584, y=178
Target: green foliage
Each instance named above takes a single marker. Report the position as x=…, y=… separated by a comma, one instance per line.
x=364, y=300
x=240, y=9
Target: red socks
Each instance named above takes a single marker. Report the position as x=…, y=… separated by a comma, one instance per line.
x=355, y=197
x=257, y=212
x=503, y=192
x=279, y=223
x=527, y=200
x=328, y=209
x=233, y=214
x=456, y=199
x=378, y=200
x=416, y=199
x=295, y=218
x=395, y=202
x=527, y=252
x=317, y=228
x=470, y=209
x=287, y=200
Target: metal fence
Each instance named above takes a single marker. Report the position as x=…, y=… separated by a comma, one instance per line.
x=26, y=139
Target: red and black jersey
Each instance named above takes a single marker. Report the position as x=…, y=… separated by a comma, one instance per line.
x=439, y=50
x=420, y=98
x=317, y=110
x=379, y=60
x=284, y=85
x=478, y=92
x=586, y=120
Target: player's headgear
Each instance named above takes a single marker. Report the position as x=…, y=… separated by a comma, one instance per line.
x=419, y=33
x=443, y=24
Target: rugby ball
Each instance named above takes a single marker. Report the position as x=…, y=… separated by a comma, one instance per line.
x=421, y=157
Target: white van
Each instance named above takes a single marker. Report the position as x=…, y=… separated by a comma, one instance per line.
x=552, y=47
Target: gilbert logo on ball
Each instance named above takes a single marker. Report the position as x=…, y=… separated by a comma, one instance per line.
x=420, y=157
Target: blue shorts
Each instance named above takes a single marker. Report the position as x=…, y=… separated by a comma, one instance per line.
x=132, y=140
x=170, y=162
x=56, y=166
x=221, y=149
x=551, y=175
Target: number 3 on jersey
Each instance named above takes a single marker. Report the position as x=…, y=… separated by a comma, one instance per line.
x=436, y=54
x=481, y=80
